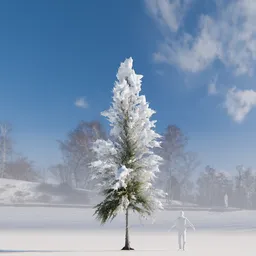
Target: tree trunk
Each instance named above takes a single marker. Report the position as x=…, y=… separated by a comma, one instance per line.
x=127, y=238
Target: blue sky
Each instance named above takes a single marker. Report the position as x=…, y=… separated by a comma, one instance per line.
x=197, y=58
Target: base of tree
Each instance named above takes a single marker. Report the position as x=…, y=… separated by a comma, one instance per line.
x=126, y=248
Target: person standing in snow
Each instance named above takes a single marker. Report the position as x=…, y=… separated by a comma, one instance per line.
x=226, y=200
x=181, y=225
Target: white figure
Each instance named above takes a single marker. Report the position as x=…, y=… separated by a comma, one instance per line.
x=181, y=225
x=226, y=200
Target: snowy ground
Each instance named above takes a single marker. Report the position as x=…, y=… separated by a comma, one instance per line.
x=53, y=231
x=108, y=243
x=23, y=192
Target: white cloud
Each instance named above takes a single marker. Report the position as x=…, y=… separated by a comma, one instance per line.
x=229, y=36
x=81, y=103
x=239, y=103
x=189, y=53
x=168, y=12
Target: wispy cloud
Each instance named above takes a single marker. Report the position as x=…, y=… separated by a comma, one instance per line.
x=239, y=103
x=229, y=36
x=168, y=13
x=81, y=103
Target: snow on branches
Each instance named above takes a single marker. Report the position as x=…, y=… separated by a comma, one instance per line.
x=126, y=162
x=121, y=178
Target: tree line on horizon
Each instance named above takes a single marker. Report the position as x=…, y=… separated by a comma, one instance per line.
x=176, y=172
x=176, y=169
x=175, y=177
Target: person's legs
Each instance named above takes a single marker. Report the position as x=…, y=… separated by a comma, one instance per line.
x=184, y=239
x=179, y=239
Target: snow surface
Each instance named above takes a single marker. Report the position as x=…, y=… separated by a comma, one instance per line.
x=14, y=191
x=108, y=243
x=23, y=192
x=54, y=231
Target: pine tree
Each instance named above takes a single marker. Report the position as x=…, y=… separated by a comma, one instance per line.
x=126, y=165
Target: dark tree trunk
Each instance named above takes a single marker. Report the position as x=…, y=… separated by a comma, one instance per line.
x=127, y=238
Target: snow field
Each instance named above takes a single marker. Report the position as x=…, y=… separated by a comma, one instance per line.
x=24, y=192
x=109, y=243
x=71, y=232
x=83, y=219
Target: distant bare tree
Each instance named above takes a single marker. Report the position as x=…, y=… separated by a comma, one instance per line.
x=61, y=173
x=245, y=186
x=189, y=164
x=77, y=153
x=5, y=146
x=212, y=186
x=21, y=169
x=43, y=174
x=205, y=185
x=172, y=151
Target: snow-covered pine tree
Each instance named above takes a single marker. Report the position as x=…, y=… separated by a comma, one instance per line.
x=126, y=165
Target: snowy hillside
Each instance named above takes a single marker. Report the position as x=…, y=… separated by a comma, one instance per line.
x=23, y=192
x=17, y=192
